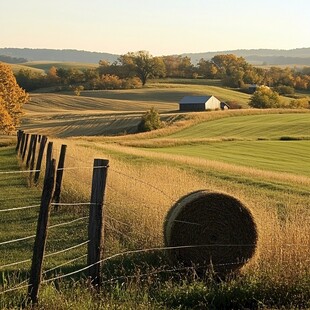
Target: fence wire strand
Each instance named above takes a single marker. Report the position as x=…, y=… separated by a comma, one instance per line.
x=17, y=240
x=21, y=208
x=69, y=222
x=67, y=249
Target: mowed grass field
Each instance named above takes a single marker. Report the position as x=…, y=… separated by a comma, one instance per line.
x=236, y=152
x=273, y=142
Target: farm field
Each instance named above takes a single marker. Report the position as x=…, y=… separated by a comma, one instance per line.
x=43, y=66
x=236, y=152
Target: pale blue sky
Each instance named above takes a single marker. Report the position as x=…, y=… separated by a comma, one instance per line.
x=161, y=27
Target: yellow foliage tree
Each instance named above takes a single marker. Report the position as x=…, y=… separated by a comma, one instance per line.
x=12, y=99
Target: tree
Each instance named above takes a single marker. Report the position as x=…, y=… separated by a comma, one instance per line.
x=12, y=98
x=265, y=98
x=143, y=65
x=150, y=121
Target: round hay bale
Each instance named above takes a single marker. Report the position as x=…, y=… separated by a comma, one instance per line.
x=215, y=230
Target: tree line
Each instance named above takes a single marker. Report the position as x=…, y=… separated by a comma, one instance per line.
x=132, y=70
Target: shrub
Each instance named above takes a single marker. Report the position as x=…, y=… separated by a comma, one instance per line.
x=301, y=103
x=264, y=98
x=150, y=121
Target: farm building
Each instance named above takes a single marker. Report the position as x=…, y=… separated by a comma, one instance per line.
x=199, y=103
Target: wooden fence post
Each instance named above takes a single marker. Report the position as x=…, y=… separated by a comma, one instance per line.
x=25, y=146
x=33, y=156
x=59, y=175
x=96, y=221
x=30, y=149
x=40, y=157
x=22, y=144
x=49, y=153
x=41, y=235
x=19, y=138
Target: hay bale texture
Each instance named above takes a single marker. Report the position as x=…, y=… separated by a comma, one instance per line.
x=220, y=228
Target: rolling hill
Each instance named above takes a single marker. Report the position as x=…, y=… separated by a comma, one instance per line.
x=298, y=56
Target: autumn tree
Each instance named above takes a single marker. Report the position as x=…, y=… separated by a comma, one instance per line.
x=265, y=98
x=143, y=65
x=178, y=66
x=12, y=98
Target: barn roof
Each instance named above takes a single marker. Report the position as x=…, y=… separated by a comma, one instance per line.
x=194, y=99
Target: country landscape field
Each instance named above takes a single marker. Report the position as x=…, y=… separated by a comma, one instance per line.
x=259, y=156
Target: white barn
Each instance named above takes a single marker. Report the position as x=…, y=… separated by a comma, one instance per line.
x=199, y=103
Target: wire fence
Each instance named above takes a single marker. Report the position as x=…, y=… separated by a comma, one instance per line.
x=113, y=224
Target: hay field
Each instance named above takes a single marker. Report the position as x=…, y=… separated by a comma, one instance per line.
x=142, y=187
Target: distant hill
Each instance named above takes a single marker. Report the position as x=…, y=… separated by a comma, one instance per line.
x=12, y=60
x=298, y=56
x=58, y=55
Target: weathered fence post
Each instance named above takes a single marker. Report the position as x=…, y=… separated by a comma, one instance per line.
x=40, y=157
x=19, y=138
x=22, y=144
x=96, y=223
x=41, y=235
x=49, y=152
x=33, y=156
x=59, y=174
x=25, y=146
x=30, y=149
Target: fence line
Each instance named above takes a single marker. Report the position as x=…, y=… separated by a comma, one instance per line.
x=145, y=183
x=18, y=171
x=115, y=220
x=65, y=263
x=16, y=240
x=14, y=289
x=59, y=169
x=72, y=204
x=16, y=263
x=67, y=223
x=133, y=198
x=67, y=249
x=126, y=253
x=21, y=208
x=47, y=255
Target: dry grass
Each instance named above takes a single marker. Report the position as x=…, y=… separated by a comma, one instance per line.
x=141, y=191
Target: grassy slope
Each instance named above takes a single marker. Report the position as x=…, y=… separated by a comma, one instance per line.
x=268, y=126
x=43, y=66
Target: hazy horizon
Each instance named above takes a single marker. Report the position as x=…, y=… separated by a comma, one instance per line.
x=161, y=27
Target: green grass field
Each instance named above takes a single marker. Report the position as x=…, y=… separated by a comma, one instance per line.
x=281, y=156
x=268, y=126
